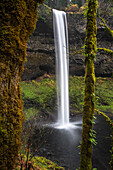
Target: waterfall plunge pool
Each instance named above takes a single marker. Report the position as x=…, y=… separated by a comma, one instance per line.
x=61, y=145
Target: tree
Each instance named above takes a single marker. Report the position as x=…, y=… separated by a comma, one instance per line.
x=89, y=97
x=17, y=20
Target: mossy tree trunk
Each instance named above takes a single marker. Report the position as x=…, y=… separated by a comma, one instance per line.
x=88, y=108
x=112, y=150
x=17, y=21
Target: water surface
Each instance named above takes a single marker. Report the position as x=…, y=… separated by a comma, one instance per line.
x=61, y=145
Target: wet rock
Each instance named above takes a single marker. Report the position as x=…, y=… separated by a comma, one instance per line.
x=41, y=49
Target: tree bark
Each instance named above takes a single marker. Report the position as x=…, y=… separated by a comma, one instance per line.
x=111, y=163
x=88, y=108
x=17, y=19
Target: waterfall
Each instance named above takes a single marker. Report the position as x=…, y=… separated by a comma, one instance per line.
x=62, y=66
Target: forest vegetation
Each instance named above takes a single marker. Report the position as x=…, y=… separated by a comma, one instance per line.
x=18, y=20
x=41, y=95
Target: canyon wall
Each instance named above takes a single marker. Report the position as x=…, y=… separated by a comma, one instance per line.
x=40, y=57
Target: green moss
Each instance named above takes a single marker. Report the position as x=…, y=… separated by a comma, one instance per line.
x=91, y=30
x=105, y=116
x=106, y=50
x=89, y=97
x=18, y=19
x=38, y=96
x=76, y=92
x=105, y=25
x=41, y=95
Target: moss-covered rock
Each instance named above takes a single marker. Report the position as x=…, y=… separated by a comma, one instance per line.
x=18, y=19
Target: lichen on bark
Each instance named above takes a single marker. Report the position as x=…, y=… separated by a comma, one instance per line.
x=18, y=19
x=89, y=97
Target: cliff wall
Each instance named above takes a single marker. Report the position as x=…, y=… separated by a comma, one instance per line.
x=41, y=49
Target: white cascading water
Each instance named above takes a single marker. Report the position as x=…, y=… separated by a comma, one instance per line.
x=62, y=66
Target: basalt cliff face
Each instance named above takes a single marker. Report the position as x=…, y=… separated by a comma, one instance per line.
x=41, y=49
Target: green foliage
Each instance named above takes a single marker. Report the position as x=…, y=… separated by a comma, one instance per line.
x=38, y=96
x=42, y=95
x=47, y=164
x=46, y=91
x=36, y=162
x=93, y=137
x=29, y=113
x=76, y=91
x=104, y=94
